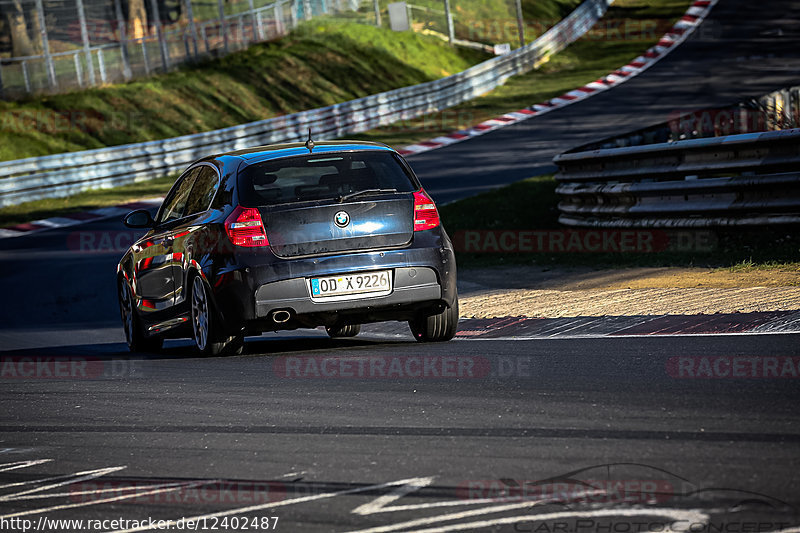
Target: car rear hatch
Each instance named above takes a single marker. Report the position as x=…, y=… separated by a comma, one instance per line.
x=326, y=203
x=384, y=221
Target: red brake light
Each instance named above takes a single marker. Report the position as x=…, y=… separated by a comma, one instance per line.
x=425, y=214
x=245, y=228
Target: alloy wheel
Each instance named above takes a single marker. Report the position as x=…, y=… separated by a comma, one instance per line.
x=126, y=310
x=200, y=315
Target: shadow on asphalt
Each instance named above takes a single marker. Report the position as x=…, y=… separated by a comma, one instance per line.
x=184, y=349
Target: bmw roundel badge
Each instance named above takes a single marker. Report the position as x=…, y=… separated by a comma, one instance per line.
x=341, y=219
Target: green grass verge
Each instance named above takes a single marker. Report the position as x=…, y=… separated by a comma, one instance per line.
x=323, y=62
x=531, y=205
x=319, y=64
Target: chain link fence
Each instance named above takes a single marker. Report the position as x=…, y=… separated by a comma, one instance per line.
x=62, y=45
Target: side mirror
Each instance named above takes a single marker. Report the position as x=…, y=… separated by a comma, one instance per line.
x=139, y=219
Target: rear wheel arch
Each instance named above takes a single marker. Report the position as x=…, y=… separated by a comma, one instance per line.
x=195, y=271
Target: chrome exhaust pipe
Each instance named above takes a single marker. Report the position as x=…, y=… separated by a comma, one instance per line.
x=281, y=317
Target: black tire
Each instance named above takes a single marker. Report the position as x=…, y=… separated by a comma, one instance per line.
x=205, y=326
x=235, y=345
x=441, y=327
x=341, y=332
x=134, y=335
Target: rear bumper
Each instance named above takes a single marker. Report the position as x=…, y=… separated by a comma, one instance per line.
x=411, y=285
x=257, y=283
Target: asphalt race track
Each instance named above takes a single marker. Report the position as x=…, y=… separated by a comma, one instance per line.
x=588, y=432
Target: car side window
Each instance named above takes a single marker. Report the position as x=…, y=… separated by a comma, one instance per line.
x=175, y=204
x=205, y=186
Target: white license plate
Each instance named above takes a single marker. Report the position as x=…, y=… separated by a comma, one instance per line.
x=352, y=284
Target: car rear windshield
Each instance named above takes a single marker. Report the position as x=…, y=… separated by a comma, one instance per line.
x=321, y=176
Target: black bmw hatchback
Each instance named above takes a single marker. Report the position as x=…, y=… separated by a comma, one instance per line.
x=288, y=236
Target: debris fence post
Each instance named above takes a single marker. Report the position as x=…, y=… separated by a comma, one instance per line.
x=51, y=70
x=123, y=41
x=160, y=35
x=87, y=48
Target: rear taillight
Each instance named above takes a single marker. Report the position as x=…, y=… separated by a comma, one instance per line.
x=425, y=214
x=245, y=228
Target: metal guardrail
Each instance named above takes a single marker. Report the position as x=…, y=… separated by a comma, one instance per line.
x=777, y=110
x=64, y=174
x=749, y=179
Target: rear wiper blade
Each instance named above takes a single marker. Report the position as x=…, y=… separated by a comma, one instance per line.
x=365, y=191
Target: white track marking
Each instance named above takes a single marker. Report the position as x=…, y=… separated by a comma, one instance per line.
x=4, y=233
x=272, y=505
x=58, y=222
x=35, y=481
x=452, y=516
x=672, y=514
x=110, y=490
x=16, y=450
x=98, y=502
x=294, y=474
x=616, y=336
x=431, y=505
x=78, y=476
x=5, y=467
x=378, y=504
